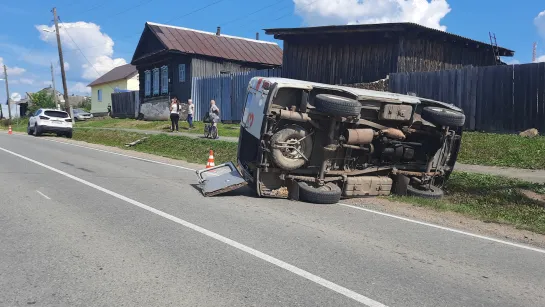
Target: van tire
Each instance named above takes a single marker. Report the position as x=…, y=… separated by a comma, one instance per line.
x=279, y=156
x=431, y=192
x=337, y=105
x=443, y=117
x=326, y=194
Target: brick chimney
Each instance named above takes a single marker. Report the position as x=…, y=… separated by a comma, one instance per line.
x=218, y=31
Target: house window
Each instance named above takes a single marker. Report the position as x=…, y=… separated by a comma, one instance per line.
x=99, y=94
x=181, y=72
x=164, y=80
x=147, y=83
x=156, y=81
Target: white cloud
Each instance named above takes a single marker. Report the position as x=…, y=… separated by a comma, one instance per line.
x=327, y=12
x=79, y=88
x=541, y=59
x=66, y=66
x=26, y=81
x=12, y=70
x=97, y=47
x=539, y=22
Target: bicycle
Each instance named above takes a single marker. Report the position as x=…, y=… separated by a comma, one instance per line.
x=210, y=131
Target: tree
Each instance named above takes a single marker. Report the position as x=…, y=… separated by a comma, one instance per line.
x=41, y=100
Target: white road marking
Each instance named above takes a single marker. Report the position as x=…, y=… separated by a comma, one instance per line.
x=270, y=259
x=43, y=194
x=535, y=249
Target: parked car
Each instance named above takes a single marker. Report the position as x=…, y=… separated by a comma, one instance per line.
x=50, y=121
x=319, y=143
x=80, y=114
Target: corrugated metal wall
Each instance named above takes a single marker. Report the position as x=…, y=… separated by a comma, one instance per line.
x=229, y=92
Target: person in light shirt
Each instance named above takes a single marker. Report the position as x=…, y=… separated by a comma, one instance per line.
x=174, y=113
x=190, y=112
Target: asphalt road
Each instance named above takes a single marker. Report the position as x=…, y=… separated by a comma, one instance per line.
x=81, y=227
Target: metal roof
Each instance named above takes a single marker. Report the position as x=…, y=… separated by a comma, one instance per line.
x=282, y=33
x=118, y=73
x=228, y=47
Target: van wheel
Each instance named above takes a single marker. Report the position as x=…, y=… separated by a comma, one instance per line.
x=288, y=146
x=326, y=194
x=443, y=117
x=337, y=105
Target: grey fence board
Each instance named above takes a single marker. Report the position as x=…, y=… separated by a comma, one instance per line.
x=494, y=98
x=228, y=90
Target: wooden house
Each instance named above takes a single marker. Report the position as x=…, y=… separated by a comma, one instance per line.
x=168, y=57
x=366, y=53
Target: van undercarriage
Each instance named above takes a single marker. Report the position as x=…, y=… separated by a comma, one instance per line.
x=323, y=144
x=320, y=143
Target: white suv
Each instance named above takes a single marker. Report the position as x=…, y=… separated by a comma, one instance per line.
x=50, y=121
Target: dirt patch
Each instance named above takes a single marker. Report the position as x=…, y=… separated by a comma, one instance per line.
x=451, y=219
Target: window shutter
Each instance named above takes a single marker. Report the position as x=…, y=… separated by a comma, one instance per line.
x=181, y=72
x=164, y=80
x=147, y=83
x=156, y=81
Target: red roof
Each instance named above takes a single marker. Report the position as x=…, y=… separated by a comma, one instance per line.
x=221, y=46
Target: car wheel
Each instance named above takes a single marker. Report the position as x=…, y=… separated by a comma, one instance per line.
x=37, y=131
x=291, y=158
x=28, y=130
x=443, y=117
x=327, y=194
x=337, y=105
x=430, y=192
x=69, y=134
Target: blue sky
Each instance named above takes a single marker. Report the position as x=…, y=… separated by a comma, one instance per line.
x=107, y=31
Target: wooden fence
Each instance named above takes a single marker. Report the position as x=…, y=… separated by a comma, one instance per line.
x=125, y=104
x=495, y=98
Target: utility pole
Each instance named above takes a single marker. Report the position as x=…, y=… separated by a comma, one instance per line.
x=7, y=92
x=53, y=84
x=61, y=60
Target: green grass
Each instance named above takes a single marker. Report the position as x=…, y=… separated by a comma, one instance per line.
x=231, y=130
x=491, y=199
x=502, y=150
x=19, y=125
x=176, y=147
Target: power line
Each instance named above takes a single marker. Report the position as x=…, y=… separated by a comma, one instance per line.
x=125, y=38
x=195, y=11
x=131, y=8
x=247, y=15
x=67, y=33
x=95, y=7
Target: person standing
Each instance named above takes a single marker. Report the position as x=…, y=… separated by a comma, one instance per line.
x=190, y=112
x=214, y=114
x=174, y=113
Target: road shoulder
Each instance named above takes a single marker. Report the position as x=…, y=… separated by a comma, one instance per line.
x=443, y=218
